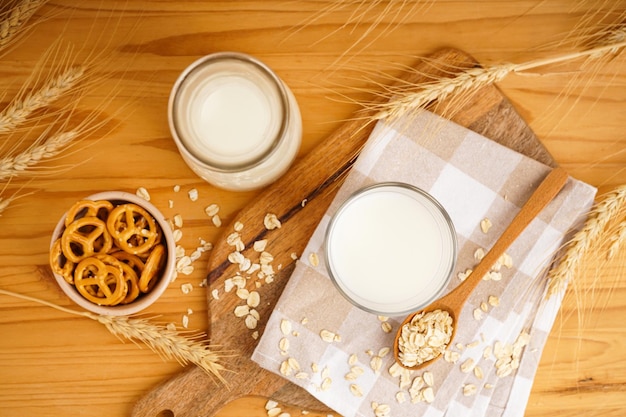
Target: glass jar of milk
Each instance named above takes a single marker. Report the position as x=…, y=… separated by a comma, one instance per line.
x=235, y=123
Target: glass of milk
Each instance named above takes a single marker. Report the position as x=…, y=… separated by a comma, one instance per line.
x=235, y=123
x=390, y=249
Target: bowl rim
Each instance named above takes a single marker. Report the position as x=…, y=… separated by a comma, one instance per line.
x=145, y=300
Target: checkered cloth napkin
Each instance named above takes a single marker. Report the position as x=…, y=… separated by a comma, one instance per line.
x=474, y=178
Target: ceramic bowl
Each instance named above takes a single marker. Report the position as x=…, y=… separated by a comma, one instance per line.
x=144, y=300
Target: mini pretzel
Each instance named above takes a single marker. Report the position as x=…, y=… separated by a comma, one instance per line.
x=132, y=228
x=60, y=264
x=153, y=265
x=85, y=237
x=130, y=275
x=100, y=283
x=88, y=208
x=129, y=259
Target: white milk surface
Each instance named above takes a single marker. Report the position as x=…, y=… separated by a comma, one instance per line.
x=231, y=119
x=390, y=249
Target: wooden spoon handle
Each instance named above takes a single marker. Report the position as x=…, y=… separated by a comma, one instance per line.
x=547, y=190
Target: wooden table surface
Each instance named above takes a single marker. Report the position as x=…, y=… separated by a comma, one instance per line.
x=330, y=53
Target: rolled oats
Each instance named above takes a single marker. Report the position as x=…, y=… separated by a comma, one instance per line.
x=469, y=389
x=271, y=222
x=211, y=210
x=425, y=337
x=356, y=390
x=242, y=311
x=314, y=259
x=143, y=193
x=485, y=225
x=467, y=366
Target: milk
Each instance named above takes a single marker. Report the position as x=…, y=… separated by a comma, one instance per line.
x=390, y=249
x=234, y=121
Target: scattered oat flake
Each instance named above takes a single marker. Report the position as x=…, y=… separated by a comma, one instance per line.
x=238, y=227
x=193, y=194
x=327, y=336
x=186, y=288
x=185, y=321
x=271, y=222
x=260, y=245
x=353, y=359
x=469, y=390
x=485, y=225
x=429, y=394
x=386, y=326
x=212, y=209
x=215, y=294
x=356, y=390
x=242, y=310
x=493, y=301
x=285, y=326
x=400, y=397
x=217, y=221
x=429, y=379
x=326, y=384
x=143, y=193
x=314, y=260
x=283, y=344
x=251, y=322
x=464, y=274
x=467, y=366
x=178, y=220
x=274, y=412
x=253, y=299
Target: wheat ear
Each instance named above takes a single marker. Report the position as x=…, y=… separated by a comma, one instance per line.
x=16, y=18
x=473, y=79
x=163, y=340
x=20, y=109
x=606, y=210
x=12, y=166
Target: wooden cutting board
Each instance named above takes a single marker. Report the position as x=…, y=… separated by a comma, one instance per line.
x=299, y=200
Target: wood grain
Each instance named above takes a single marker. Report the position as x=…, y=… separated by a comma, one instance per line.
x=315, y=181
x=55, y=364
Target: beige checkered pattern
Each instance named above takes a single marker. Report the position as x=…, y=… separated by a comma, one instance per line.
x=473, y=178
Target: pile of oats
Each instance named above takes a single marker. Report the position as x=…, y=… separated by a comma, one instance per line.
x=425, y=337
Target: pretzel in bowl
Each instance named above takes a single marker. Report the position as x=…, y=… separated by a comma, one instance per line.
x=100, y=283
x=153, y=265
x=88, y=208
x=85, y=237
x=129, y=275
x=133, y=229
x=111, y=252
x=59, y=262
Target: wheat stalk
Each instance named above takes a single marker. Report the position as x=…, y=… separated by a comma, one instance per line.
x=13, y=166
x=21, y=108
x=616, y=239
x=472, y=79
x=588, y=238
x=11, y=25
x=164, y=340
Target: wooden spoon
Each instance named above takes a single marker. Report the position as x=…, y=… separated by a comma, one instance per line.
x=454, y=301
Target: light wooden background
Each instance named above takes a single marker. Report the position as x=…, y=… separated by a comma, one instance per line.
x=52, y=363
